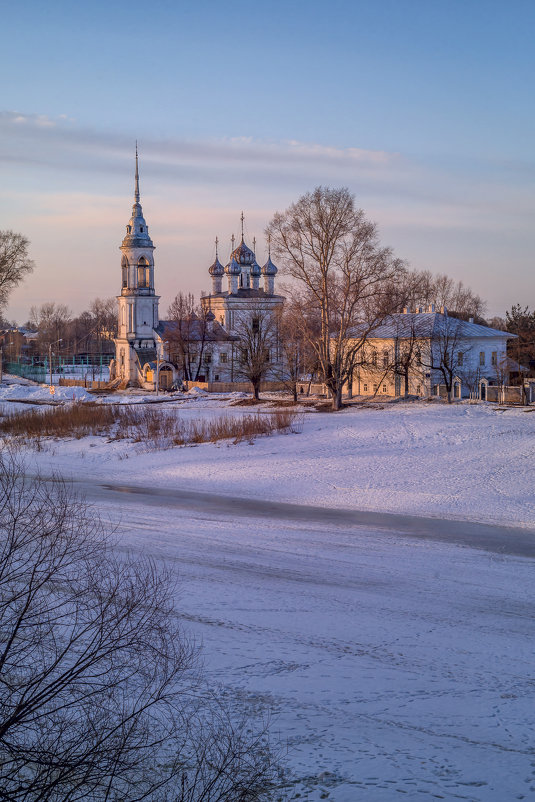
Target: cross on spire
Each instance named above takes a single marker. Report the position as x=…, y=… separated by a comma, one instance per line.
x=269, y=246
x=232, y=241
x=136, y=192
x=254, y=244
x=242, y=218
x=216, y=244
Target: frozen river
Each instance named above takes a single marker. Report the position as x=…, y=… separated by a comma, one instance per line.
x=394, y=654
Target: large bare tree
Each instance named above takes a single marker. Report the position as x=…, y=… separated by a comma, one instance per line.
x=15, y=263
x=101, y=696
x=327, y=245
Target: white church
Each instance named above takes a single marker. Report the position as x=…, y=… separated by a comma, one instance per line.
x=144, y=352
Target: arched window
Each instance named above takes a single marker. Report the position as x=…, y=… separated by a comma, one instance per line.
x=143, y=273
x=124, y=268
x=385, y=360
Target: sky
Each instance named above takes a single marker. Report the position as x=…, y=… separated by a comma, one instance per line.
x=424, y=109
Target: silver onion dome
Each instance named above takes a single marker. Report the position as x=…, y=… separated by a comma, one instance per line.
x=269, y=268
x=216, y=269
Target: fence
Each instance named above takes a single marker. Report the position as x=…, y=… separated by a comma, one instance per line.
x=234, y=387
x=82, y=371
x=36, y=373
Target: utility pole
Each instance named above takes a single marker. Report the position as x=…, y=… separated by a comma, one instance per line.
x=157, y=374
x=50, y=361
x=1, y=363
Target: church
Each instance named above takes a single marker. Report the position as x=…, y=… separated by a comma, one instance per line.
x=150, y=352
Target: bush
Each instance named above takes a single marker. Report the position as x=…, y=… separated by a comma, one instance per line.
x=101, y=695
x=159, y=428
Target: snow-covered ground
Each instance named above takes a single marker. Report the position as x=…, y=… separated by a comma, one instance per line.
x=392, y=665
x=465, y=461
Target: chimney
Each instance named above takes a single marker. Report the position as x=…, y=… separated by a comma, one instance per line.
x=443, y=310
x=405, y=310
x=431, y=308
x=470, y=319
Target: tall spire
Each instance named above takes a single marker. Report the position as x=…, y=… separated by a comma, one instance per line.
x=136, y=193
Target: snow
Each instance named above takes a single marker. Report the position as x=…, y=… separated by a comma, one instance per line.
x=391, y=666
x=26, y=392
x=463, y=461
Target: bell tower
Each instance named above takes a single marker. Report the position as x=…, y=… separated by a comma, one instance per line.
x=138, y=302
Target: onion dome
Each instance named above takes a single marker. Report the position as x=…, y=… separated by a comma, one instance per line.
x=217, y=268
x=256, y=270
x=233, y=268
x=243, y=254
x=269, y=268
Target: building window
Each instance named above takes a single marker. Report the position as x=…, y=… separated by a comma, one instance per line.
x=419, y=389
x=255, y=325
x=481, y=358
x=494, y=358
x=365, y=388
x=223, y=356
x=141, y=229
x=216, y=377
x=384, y=388
x=374, y=388
x=207, y=358
x=460, y=357
x=374, y=359
x=385, y=359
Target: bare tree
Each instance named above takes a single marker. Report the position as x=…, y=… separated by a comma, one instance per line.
x=101, y=697
x=443, y=291
x=15, y=263
x=294, y=337
x=447, y=351
x=188, y=338
x=257, y=346
x=52, y=321
x=329, y=247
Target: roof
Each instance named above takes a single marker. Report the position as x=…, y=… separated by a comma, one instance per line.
x=192, y=331
x=430, y=325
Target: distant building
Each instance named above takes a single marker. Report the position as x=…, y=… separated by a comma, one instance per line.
x=407, y=350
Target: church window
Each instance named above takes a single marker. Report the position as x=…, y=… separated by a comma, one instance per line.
x=141, y=229
x=143, y=273
x=223, y=356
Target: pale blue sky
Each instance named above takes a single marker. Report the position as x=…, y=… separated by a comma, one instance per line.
x=424, y=109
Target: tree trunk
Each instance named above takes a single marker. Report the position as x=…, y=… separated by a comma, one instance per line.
x=294, y=391
x=256, y=389
x=337, y=398
x=406, y=384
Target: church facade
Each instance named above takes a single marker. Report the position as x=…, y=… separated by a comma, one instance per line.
x=201, y=348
